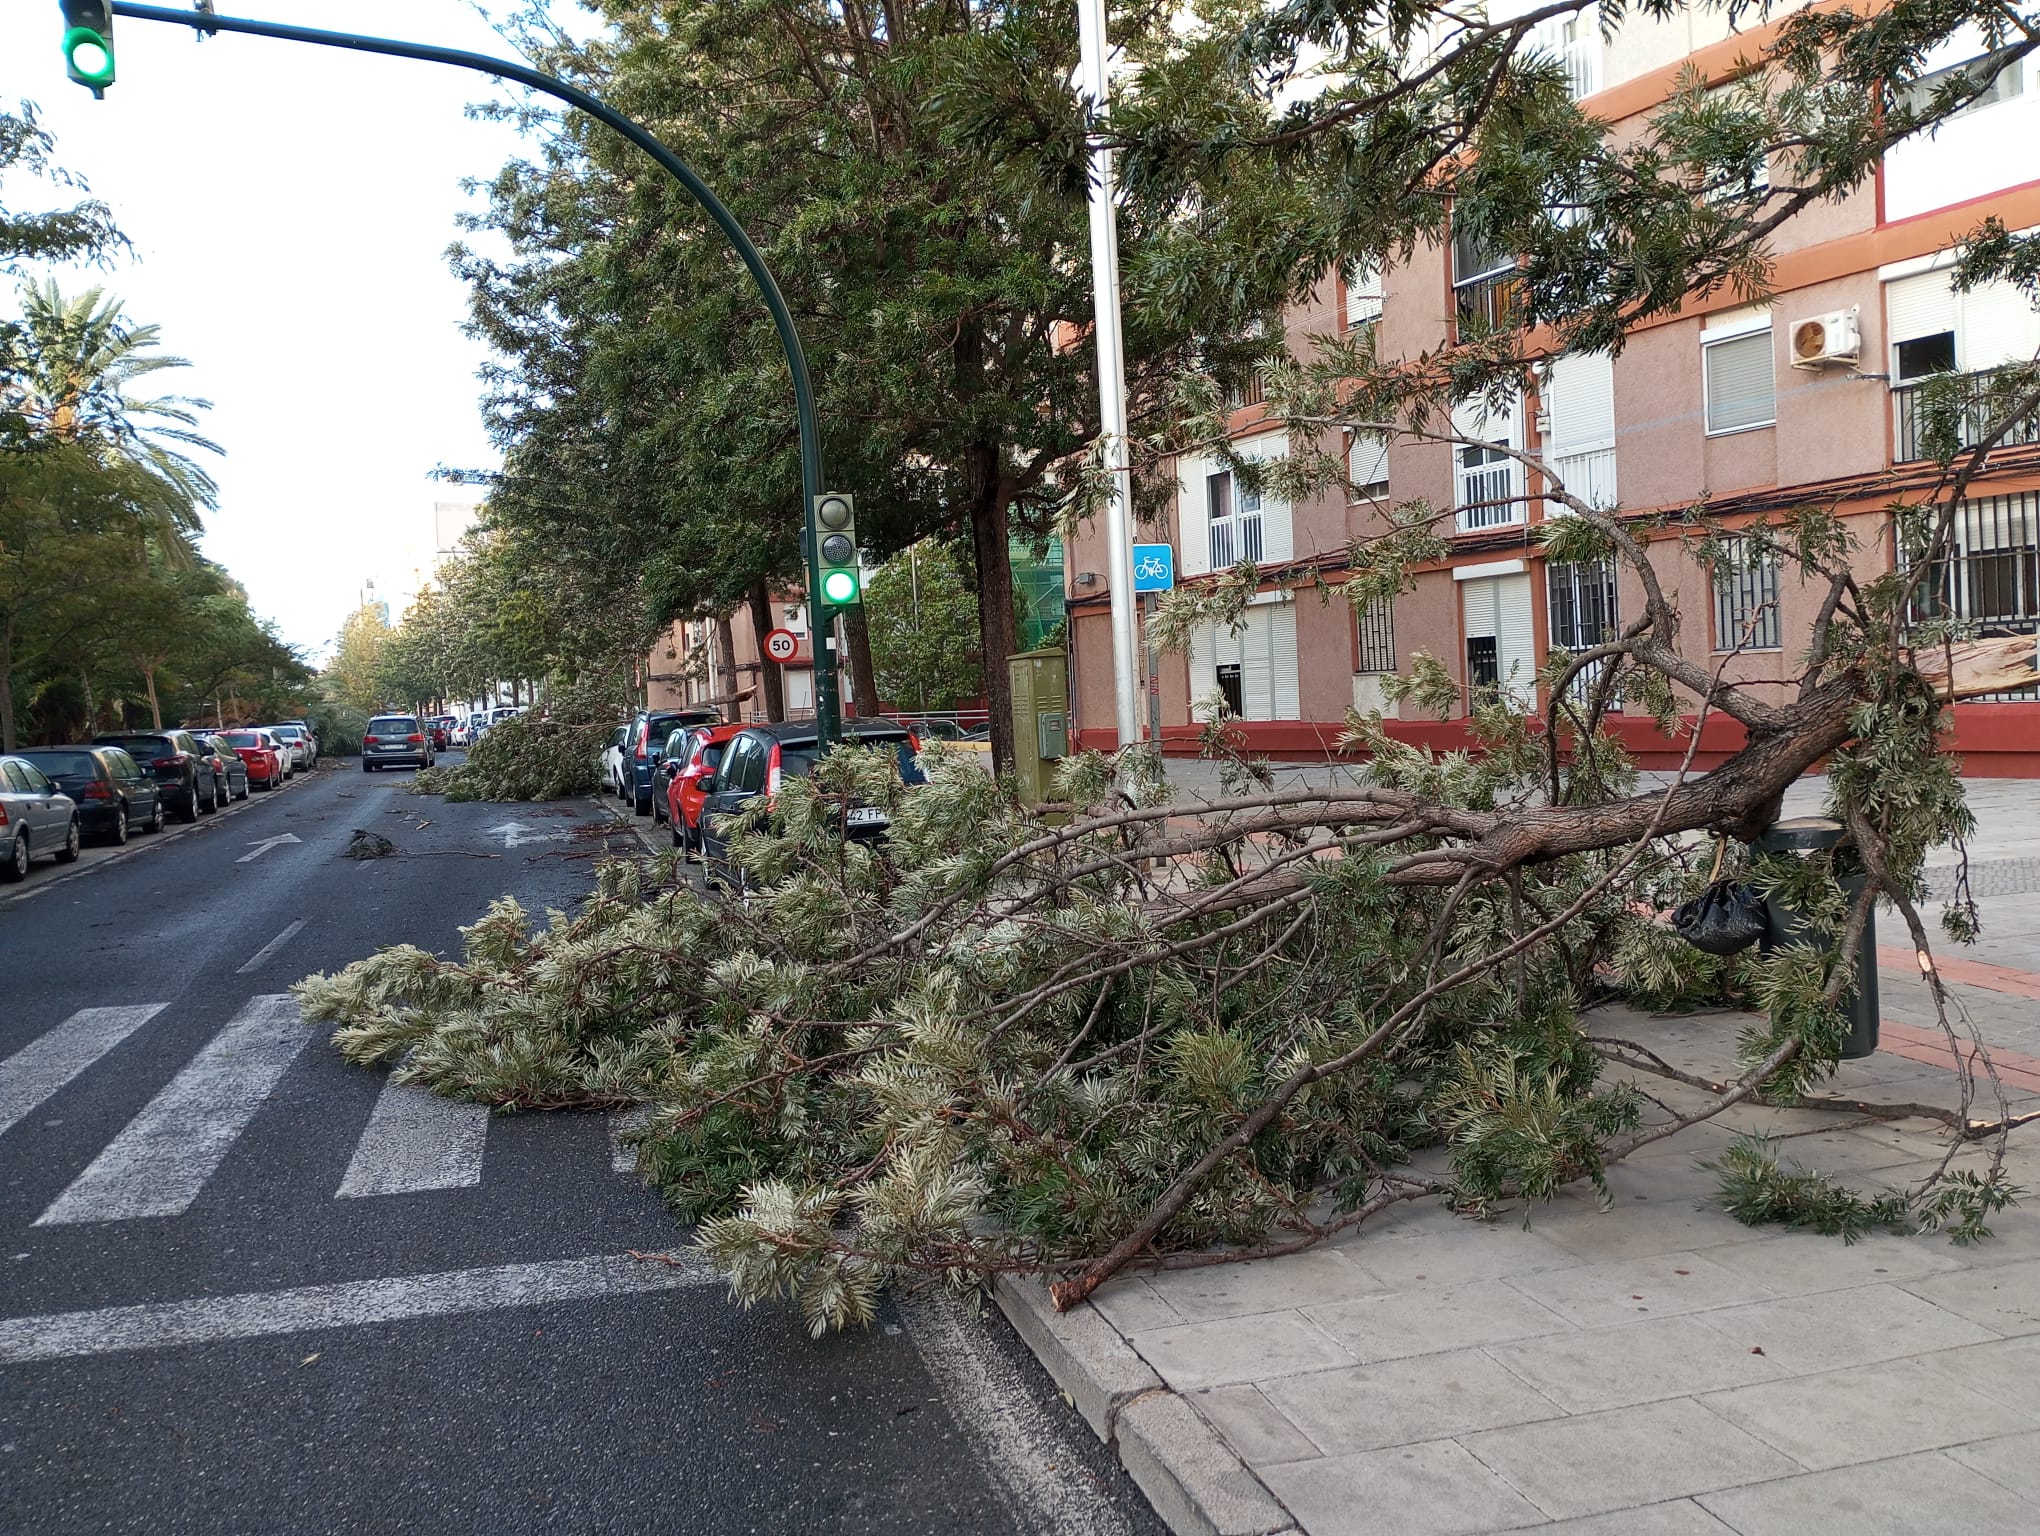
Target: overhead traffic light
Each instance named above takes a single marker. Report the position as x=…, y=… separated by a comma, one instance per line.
x=836, y=552
x=88, y=43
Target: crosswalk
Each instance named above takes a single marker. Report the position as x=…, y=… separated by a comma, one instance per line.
x=161, y=1160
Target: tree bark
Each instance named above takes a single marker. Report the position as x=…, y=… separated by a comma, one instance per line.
x=863, y=679
x=771, y=681
x=989, y=534
x=7, y=742
x=725, y=657
x=155, y=707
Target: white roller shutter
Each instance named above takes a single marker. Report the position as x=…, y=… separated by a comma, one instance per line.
x=1193, y=517
x=1257, y=668
x=1286, y=702
x=1203, y=663
x=1580, y=392
x=1499, y=607
x=1998, y=327
x=1922, y=305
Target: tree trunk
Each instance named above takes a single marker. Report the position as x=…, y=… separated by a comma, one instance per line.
x=155, y=706
x=989, y=534
x=7, y=742
x=725, y=659
x=863, y=680
x=91, y=704
x=771, y=681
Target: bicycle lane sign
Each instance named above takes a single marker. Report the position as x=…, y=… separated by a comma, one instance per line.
x=1154, y=567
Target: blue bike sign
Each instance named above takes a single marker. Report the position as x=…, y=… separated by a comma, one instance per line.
x=1154, y=567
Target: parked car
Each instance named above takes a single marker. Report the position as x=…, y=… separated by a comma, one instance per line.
x=35, y=818
x=443, y=727
x=226, y=763
x=649, y=729
x=263, y=755
x=506, y=712
x=182, y=769
x=758, y=758
x=114, y=793
x=614, y=777
x=304, y=749
x=396, y=741
x=693, y=754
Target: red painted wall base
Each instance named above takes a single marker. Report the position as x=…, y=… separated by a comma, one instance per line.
x=1995, y=741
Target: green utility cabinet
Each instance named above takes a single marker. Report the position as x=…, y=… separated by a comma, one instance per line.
x=1041, y=718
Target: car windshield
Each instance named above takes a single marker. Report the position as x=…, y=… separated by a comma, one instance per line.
x=392, y=725
x=59, y=763
x=797, y=760
x=141, y=746
x=242, y=739
x=658, y=727
x=291, y=730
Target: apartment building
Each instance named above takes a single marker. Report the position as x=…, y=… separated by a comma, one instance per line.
x=1752, y=408
x=687, y=664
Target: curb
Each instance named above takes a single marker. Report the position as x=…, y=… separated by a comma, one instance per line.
x=1191, y=1477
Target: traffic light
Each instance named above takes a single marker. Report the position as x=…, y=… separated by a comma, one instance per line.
x=836, y=554
x=88, y=43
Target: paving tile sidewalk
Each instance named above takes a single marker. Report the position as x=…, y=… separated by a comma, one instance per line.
x=1655, y=1367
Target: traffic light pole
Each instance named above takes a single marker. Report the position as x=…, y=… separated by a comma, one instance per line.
x=821, y=617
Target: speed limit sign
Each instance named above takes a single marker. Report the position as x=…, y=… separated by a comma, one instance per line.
x=782, y=645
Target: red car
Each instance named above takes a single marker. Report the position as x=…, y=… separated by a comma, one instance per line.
x=683, y=787
x=268, y=759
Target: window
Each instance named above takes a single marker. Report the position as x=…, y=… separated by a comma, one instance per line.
x=1935, y=330
x=1235, y=535
x=1746, y=598
x=1741, y=381
x=1366, y=464
x=1581, y=598
x=1363, y=293
x=1375, y=622
x=1482, y=283
x=2000, y=79
x=1486, y=484
x=1745, y=172
x=1991, y=576
x=1924, y=355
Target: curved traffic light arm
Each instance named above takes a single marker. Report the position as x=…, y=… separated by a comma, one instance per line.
x=828, y=717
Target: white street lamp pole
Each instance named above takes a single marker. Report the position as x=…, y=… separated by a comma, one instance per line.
x=1111, y=381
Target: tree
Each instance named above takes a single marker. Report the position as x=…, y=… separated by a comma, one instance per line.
x=924, y=629
x=940, y=283
x=355, y=673
x=85, y=231
x=1150, y=1033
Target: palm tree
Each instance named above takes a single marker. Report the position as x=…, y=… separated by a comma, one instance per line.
x=69, y=373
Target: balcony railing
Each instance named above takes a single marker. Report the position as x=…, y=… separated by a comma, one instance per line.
x=1234, y=539
x=1590, y=476
x=1488, y=302
x=1487, y=497
x=1980, y=404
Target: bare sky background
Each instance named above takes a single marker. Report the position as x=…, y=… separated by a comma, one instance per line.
x=290, y=208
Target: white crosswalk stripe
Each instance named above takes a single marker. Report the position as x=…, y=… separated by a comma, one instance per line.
x=39, y=1069
x=623, y=1154
x=416, y=1141
x=162, y=1158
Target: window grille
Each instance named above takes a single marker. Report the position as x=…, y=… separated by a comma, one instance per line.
x=1376, y=623
x=1746, y=599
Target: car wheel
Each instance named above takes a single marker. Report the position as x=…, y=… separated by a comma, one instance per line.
x=119, y=835
x=68, y=854
x=368, y=767
x=244, y=790
x=188, y=812
x=155, y=821
x=211, y=802
x=641, y=802
x=16, y=868
x=678, y=841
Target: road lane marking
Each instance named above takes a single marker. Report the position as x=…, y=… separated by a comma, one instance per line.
x=417, y=1140
x=622, y=1154
x=39, y=1069
x=349, y=1304
x=516, y=834
x=265, y=845
x=161, y=1159
x=271, y=947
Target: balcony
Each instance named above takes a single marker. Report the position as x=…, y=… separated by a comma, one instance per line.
x=1488, y=496
x=1487, y=302
x=1982, y=400
x=1234, y=539
x=1590, y=476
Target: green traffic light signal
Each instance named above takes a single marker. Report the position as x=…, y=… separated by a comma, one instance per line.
x=836, y=551
x=88, y=44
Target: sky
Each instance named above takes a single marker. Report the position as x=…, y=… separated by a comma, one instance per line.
x=290, y=208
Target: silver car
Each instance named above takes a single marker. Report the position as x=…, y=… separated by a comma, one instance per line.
x=302, y=753
x=35, y=818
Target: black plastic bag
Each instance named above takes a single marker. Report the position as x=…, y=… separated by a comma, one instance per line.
x=1726, y=917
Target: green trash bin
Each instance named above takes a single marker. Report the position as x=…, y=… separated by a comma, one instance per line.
x=1786, y=925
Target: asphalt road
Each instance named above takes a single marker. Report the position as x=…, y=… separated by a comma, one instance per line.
x=245, y=1287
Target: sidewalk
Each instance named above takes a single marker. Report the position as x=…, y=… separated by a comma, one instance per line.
x=1657, y=1369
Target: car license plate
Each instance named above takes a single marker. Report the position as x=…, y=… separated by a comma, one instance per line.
x=866, y=816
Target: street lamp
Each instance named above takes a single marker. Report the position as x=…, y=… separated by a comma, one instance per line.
x=828, y=707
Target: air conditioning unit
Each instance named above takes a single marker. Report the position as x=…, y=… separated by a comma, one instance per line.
x=1826, y=339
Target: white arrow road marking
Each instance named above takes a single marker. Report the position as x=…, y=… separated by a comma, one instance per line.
x=36, y=1071
x=350, y=1304
x=161, y=1159
x=264, y=846
x=417, y=1140
x=516, y=834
